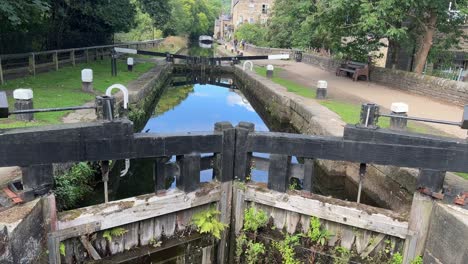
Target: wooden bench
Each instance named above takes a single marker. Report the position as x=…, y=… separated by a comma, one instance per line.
x=355, y=68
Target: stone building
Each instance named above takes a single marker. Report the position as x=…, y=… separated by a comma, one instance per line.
x=223, y=27
x=250, y=11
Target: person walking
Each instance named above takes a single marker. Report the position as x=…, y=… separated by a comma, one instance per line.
x=235, y=44
x=243, y=44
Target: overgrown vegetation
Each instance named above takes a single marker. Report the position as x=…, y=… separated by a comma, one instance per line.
x=254, y=219
x=316, y=233
x=207, y=222
x=114, y=232
x=286, y=248
x=73, y=186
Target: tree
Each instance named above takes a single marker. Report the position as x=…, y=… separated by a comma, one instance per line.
x=432, y=18
x=252, y=33
x=17, y=13
x=159, y=10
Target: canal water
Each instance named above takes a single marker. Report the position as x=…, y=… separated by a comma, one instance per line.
x=197, y=107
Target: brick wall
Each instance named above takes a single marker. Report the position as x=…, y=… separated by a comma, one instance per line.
x=434, y=87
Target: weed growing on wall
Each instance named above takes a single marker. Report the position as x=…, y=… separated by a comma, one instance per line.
x=207, y=222
x=114, y=232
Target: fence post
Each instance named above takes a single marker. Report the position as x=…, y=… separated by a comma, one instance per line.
x=96, y=54
x=2, y=81
x=309, y=174
x=55, y=59
x=32, y=64
x=87, y=55
x=159, y=174
x=242, y=157
x=223, y=169
x=369, y=115
x=72, y=57
x=278, y=177
x=189, y=178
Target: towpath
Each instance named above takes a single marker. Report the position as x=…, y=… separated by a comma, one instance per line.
x=362, y=91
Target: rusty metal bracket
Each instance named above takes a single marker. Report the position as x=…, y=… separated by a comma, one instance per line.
x=429, y=192
x=461, y=199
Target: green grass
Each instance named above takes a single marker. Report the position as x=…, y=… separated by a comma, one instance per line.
x=348, y=112
x=464, y=175
x=289, y=85
x=63, y=88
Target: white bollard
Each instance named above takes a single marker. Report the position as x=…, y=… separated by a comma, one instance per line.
x=23, y=101
x=130, y=63
x=321, y=92
x=399, y=109
x=270, y=69
x=87, y=80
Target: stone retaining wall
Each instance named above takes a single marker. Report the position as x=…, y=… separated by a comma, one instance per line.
x=437, y=88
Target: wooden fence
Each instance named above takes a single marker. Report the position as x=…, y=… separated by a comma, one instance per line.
x=23, y=64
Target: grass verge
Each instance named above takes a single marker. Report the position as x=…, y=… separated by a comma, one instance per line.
x=63, y=88
x=348, y=112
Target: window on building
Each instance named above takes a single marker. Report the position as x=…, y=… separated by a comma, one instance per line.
x=251, y=20
x=264, y=9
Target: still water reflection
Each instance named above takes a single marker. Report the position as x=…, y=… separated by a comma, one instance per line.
x=183, y=109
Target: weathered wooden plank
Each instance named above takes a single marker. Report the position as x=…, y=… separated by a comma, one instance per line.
x=377, y=240
x=139, y=208
x=419, y=221
x=278, y=179
x=189, y=178
x=348, y=213
x=333, y=148
x=89, y=248
x=225, y=207
x=242, y=157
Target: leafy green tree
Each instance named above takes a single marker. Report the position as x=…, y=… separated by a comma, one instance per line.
x=252, y=33
x=17, y=13
x=159, y=11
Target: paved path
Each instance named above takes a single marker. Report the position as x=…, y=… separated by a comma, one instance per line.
x=419, y=106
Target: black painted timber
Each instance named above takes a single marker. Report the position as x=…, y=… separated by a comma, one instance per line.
x=309, y=175
x=159, y=174
x=278, y=177
x=432, y=179
x=387, y=136
x=225, y=160
x=242, y=156
x=189, y=178
x=334, y=148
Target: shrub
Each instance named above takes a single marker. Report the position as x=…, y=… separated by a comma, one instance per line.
x=254, y=219
x=73, y=186
x=207, y=222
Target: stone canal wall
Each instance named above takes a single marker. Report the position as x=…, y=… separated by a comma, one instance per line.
x=438, y=88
